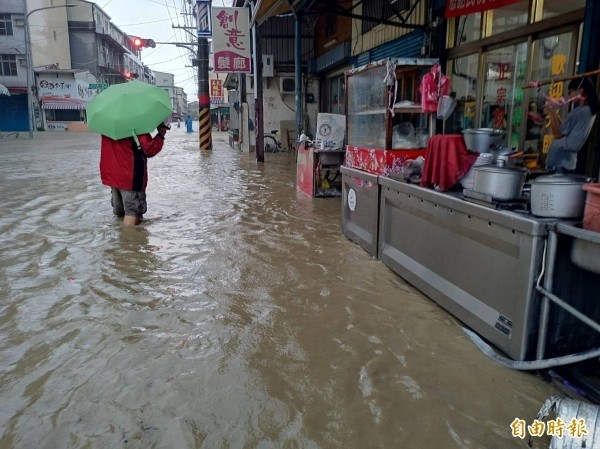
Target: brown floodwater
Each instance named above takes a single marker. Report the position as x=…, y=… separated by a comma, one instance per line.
x=236, y=316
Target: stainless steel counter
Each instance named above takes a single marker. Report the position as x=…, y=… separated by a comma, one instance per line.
x=478, y=263
x=360, y=208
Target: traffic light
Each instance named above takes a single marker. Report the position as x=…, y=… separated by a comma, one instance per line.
x=131, y=75
x=139, y=42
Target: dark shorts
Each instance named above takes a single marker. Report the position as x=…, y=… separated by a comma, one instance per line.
x=128, y=202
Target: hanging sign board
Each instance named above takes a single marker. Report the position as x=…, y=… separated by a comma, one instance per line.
x=203, y=18
x=231, y=40
x=456, y=8
x=66, y=91
x=216, y=92
x=216, y=88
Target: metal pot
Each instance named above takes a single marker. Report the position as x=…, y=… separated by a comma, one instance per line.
x=482, y=140
x=558, y=196
x=499, y=182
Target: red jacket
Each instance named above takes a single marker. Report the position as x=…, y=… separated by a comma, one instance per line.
x=123, y=165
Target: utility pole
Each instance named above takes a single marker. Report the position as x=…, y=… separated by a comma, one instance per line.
x=203, y=96
x=203, y=17
x=258, y=98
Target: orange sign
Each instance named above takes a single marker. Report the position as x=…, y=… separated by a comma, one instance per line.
x=216, y=88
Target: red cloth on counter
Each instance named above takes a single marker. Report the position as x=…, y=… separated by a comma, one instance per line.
x=446, y=161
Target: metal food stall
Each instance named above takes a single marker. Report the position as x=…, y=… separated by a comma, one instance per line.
x=478, y=263
x=485, y=266
x=386, y=127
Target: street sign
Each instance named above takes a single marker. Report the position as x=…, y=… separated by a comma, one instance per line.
x=98, y=86
x=203, y=18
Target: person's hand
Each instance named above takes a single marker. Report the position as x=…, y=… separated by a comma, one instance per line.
x=162, y=128
x=549, y=110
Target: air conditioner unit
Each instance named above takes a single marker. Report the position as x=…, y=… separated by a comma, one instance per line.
x=287, y=85
x=19, y=21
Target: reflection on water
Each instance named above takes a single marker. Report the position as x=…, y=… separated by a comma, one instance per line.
x=236, y=316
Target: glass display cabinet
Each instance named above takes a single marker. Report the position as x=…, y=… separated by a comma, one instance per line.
x=381, y=115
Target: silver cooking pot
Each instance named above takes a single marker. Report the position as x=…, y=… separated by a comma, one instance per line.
x=500, y=183
x=558, y=196
x=483, y=140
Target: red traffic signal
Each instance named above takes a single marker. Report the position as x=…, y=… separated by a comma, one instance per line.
x=139, y=42
x=131, y=75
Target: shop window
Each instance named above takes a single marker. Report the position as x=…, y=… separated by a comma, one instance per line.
x=463, y=75
x=63, y=115
x=495, y=21
x=551, y=57
x=468, y=29
x=6, y=28
x=503, y=92
x=382, y=9
x=334, y=95
x=552, y=8
x=8, y=65
x=506, y=18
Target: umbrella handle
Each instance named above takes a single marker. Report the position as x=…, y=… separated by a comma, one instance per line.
x=137, y=142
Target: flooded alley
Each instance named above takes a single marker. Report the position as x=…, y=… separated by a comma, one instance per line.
x=236, y=316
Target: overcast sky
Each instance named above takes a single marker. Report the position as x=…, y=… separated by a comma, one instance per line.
x=154, y=19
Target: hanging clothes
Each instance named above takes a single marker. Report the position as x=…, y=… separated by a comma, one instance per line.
x=433, y=86
x=392, y=87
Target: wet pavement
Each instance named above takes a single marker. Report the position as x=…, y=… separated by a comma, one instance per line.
x=236, y=316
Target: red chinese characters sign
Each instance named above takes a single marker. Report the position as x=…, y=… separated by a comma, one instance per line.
x=231, y=40
x=216, y=92
x=216, y=88
x=463, y=7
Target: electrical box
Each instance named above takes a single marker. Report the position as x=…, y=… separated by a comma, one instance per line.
x=287, y=85
x=268, y=69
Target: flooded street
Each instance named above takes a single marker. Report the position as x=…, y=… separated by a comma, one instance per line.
x=236, y=316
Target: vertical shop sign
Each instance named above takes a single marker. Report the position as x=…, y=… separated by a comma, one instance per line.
x=456, y=8
x=231, y=40
x=216, y=92
x=558, y=66
x=203, y=18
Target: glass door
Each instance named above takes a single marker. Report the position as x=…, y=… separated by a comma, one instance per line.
x=552, y=57
x=463, y=73
x=504, y=75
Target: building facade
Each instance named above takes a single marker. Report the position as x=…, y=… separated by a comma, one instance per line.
x=75, y=51
x=179, y=103
x=102, y=48
x=47, y=47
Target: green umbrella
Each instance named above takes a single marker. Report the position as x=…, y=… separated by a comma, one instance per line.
x=128, y=109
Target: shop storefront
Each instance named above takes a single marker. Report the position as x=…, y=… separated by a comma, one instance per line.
x=505, y=261
x=219, y=117
x=63, y=98
x=494, y=54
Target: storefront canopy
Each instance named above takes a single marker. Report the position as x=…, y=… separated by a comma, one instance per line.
x=265, y=9
x=269, y=8
x=221, y=109
x=62, y=104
